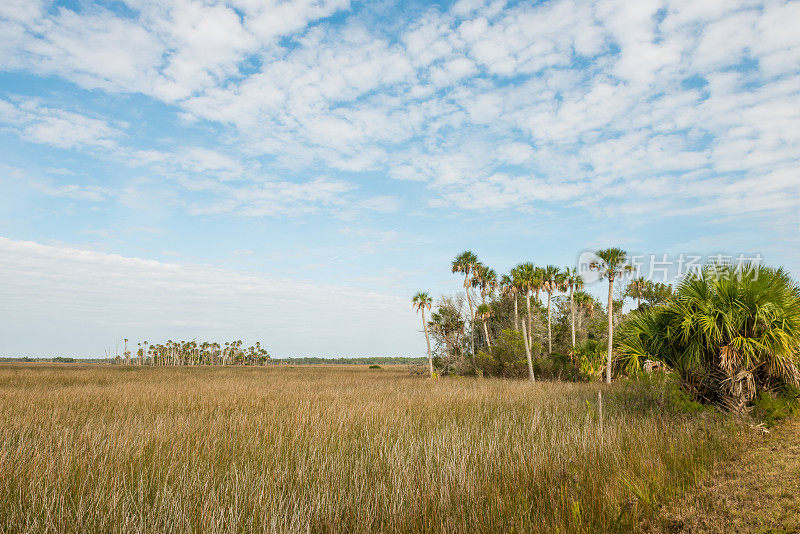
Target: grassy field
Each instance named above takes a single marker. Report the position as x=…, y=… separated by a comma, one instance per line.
x=333, y=449
x=755, y=491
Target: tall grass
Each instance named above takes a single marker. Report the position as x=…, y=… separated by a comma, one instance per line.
x=100, y=448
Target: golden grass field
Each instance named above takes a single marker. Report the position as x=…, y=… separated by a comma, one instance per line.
x=100, y=448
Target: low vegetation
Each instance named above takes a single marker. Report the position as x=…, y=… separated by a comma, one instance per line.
x=337, y=449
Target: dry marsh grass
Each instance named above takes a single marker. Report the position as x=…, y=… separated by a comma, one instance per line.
x=330, y=449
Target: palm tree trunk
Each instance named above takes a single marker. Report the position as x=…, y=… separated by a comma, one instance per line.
x=572, y=315
x=471, y=321
x=516, y=313
x=428, y=341
x=528, y=352
x=610, y=325
x=530, y=327
x=549, y=331
x=486, y=332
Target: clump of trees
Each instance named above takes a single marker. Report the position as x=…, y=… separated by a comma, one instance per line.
x=526, y=323
x=730, y=333
x=194, y=353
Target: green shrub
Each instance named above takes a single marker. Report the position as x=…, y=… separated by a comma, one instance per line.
x=659, y=392
x=375, y=367
x=506, y=358
x=554, y=367
x=591, y=358
x=774, y=407
x=730, y=333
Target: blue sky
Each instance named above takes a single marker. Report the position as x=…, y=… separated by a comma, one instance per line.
x=292, y=172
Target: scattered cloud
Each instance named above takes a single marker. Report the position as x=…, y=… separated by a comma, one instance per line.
x=490, y=105
x=73, y=191
x=63, y=129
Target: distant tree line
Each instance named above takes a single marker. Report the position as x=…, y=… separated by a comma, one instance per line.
x=194, y=353
x=369, y=360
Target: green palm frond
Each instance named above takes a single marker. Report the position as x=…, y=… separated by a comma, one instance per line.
x=723, y=326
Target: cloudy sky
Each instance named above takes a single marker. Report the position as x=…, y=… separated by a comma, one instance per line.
x=292, y=172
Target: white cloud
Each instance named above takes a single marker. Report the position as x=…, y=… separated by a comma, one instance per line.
x=96, y=297
x=578, y=95
x=73, y=191
x=59, y=128
x=273, y=198
x=169, y=50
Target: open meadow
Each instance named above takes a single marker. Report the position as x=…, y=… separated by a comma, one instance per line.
x=91, y=448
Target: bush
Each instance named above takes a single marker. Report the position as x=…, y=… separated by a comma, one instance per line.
x=729, y=333
x=775, y=407
x=555, y=367
x=375, y=367
x=506, y=358
x=591, y=359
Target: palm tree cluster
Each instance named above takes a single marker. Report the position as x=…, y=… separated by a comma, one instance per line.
x=541, y=311
x=194, y=353
x=729, y=332
x=647, y=293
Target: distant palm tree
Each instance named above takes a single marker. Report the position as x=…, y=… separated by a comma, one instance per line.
x=573, y=282
x=486, y=280
x=421, y=302
x=610, y=263
x=551, y=282
x=484, y=312
x=509, y=288
x=466, y=263
x=636, y=289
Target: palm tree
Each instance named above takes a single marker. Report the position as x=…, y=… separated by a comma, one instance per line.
x=527, y=278
x=485, y=278
x=551, y=281
x=447, y=321
x=421, y=302
x=636, y=289
x=573, y=282
x=466, y=263
x=610, y=263
x=509, y=290
x=728, y=332
x=484, y=312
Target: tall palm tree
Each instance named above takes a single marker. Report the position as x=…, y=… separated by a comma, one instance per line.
x=574, y=282
x=421, y=302
x=552, y=280
x=466, y=263
x=510, y=289
x=484, y=312
x=487, y=281
x=611, y=263
x=527, y=278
